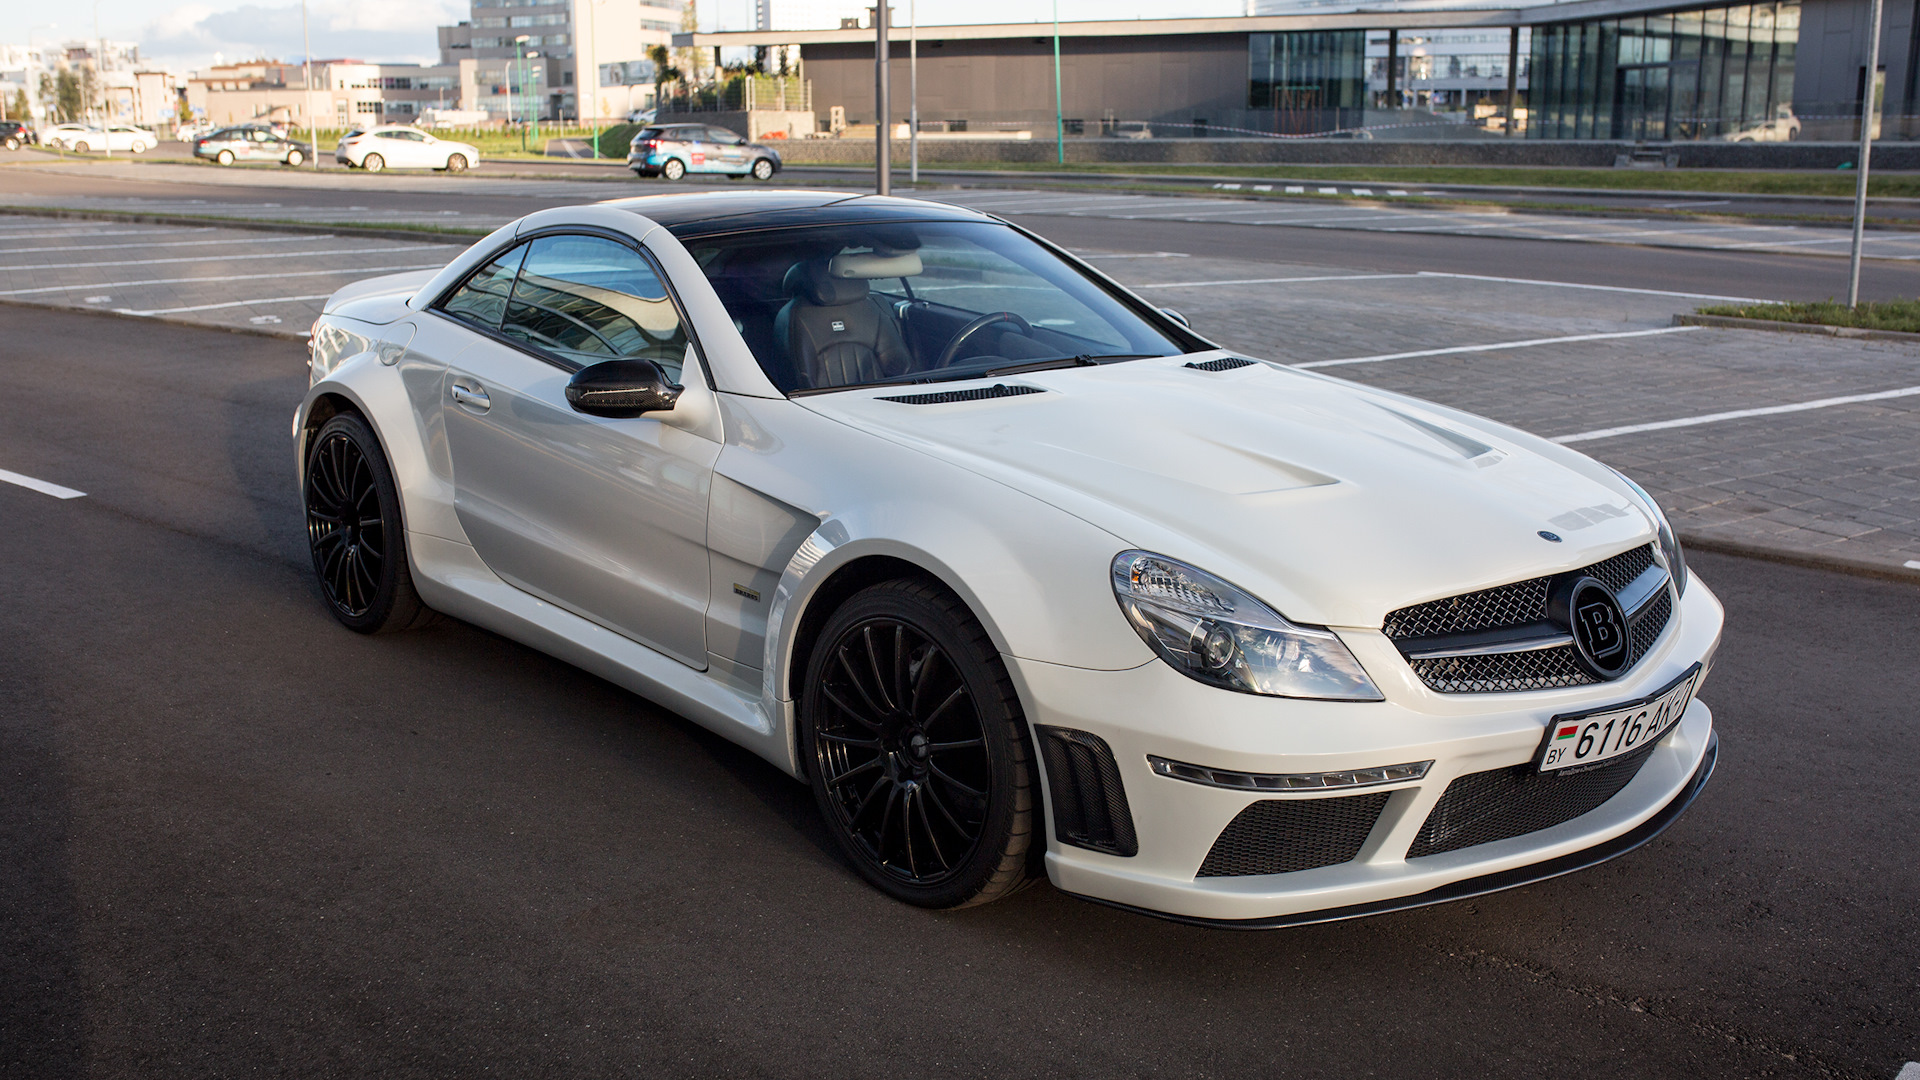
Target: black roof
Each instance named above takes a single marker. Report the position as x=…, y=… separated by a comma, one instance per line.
x=705, y=213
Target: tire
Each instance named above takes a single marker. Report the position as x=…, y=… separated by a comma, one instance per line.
x=81, y=148
x=373, y=163
x=355, y=533
x=951, y=760
x=762, y=170
x=224, y=157
x=673, y=169
x=141, y=148
x=295, y=158
x=457, y=163
x=13, y=144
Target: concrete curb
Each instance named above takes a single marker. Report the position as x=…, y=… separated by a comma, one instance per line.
x=170, y=320
x=1813, y=560
x=1732, y=323
x=248, y=224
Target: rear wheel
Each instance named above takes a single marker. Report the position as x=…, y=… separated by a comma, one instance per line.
x=81, y=147
x=295, y=157
x=224, y=157
x=457, y=163
x=373, y=163
x=763, y=169
x=355, y=533
x=674, y=169
x=13, y=144
x=916, y=748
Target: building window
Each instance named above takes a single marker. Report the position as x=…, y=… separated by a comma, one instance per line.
x=1707, y=73
x=1306, y=82
x=364, y=107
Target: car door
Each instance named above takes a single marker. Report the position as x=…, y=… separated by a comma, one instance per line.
x=729, y=149
x=604, y=517
x=260, y=145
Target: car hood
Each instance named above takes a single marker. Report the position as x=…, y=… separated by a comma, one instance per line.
x=1333, y=502
x=378, y=300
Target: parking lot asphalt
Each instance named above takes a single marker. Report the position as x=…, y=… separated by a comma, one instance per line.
x=239, y=839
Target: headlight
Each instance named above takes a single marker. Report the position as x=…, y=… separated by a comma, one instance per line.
x=1669, y=543
x=1215, y=633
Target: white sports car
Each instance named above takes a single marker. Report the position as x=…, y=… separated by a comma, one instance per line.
x=1020, y=573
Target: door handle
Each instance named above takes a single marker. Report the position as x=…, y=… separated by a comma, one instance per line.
x=470, y=395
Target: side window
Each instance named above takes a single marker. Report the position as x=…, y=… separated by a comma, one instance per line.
x=584, y=299
x=482, y=301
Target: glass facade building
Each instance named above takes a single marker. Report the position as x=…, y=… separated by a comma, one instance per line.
x=1307, y=82
x=1705, y=73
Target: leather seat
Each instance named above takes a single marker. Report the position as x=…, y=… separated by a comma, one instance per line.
x=835, y=332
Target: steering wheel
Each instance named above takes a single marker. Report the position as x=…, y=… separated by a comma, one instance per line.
x=953, y=347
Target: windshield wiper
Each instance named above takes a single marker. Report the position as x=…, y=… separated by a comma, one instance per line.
x=1082, y=360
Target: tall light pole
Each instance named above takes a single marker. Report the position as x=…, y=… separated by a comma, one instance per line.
x=100, y=69
x=520, y=63
x=913, y=93
x=1059, y=125
x=882, y=107
x=1867, y=112
x=306, y=65
x=592, y=88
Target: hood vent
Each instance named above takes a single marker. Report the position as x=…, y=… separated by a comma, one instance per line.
x=946, y=397
x=1225, y=363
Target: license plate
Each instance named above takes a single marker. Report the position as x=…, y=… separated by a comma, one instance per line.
x=1590, y=738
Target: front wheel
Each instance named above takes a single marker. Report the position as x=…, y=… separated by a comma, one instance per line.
x=674, y=169
x=457, y=163
x=763, y=170
x=13, y=144
x=373, y=163
x=916, y=748
x=81, y=148
x=355, y=533
x=295, y=157
x=224, y=157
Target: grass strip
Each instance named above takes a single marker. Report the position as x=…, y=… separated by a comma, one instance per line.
x=1837, y=183
x=1901, y=315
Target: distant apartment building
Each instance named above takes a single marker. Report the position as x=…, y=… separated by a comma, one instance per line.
x=561, y=59
x=124, y=89
x=345, y=93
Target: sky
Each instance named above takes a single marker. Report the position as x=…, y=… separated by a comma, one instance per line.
x=191, y=35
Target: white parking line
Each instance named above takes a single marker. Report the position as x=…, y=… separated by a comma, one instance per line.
x=247, y=303
x=1597, y=288
x=173, y=243
x=1267, y=280
x=214, y=258
x=40, y=486
x=1736, y=414
x=1568, y=340
x=222, y=277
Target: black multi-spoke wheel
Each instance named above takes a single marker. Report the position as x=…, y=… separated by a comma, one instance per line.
x=354, y=530
x=916, y=747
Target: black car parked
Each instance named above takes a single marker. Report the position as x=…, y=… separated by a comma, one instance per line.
x=15, y=134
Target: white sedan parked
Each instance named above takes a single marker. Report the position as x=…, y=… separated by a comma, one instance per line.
x=115, y=137
x=396, y=146
x=1017, y=571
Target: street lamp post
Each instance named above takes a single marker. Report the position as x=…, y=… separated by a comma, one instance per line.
x=913, y=93
x=882, y=106
x=1059, y=125
x=1868, y=110
x=306, y=64
x=520, y=66
x=99, y=70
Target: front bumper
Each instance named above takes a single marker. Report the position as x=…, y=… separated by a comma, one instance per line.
x=1154, y=710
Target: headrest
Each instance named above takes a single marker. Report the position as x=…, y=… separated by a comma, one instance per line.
x=811, y=281
x=874, y=264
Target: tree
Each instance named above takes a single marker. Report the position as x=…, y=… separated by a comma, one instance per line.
x=663, y=71
x=690, y=56
x=69, y=95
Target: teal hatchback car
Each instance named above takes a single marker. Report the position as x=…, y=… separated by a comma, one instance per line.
x=674, y=150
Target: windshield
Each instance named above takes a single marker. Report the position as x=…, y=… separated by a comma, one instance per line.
x=835, y=306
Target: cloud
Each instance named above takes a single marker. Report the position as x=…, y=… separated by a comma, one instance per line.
x=192, y=35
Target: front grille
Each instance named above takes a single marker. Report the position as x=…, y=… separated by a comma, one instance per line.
x=1280, y=836
x=947, y=397
x=1522, y=603
x=1225, y=363
x=1089, y=801
x=1499, y=804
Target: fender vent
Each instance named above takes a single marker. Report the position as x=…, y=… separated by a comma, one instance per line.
x=1225, y=363
x=1280, y=836
x=1089, y=802
x=945, y=397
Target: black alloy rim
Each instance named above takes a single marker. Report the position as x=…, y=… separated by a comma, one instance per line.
x=345, y=527
x=902, y=752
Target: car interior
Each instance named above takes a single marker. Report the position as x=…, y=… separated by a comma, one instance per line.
x=835, y=306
